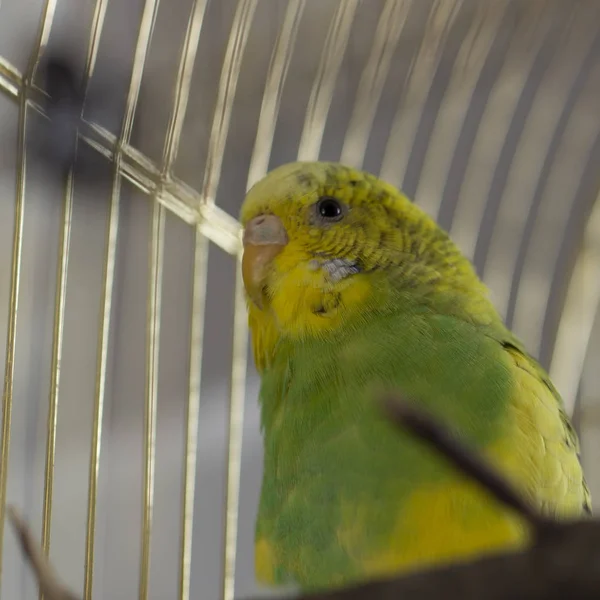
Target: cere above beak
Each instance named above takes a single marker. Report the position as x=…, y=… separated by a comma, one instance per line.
x=264, y=238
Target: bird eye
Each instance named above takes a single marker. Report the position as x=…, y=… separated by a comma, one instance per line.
x=330, y=209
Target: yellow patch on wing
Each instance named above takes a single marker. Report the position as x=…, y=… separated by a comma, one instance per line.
x=457, y=520
x=439, y=523
x=264, y=562
x=539, y=453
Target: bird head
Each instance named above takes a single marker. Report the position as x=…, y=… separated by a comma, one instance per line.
x=325, y=243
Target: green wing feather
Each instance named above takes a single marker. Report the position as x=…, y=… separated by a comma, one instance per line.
x=326, y=445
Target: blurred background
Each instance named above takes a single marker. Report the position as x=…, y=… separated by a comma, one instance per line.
x=486, y=113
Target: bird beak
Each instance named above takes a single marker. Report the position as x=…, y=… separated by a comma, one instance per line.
x=264, y=238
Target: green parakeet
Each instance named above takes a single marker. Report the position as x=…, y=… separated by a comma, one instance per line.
x=352, y=289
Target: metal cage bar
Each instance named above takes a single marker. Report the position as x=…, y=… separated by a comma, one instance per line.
x=442, y=17
x=278, y=70
x=428, y=171
x=183, y=84
x=100, y=386
x=171, y=147
x=61, y=290
x=193, y=410
x=525, y=155
x=234, y=450
x=142, y=45
x=324, y=83
x=11, y=336
x=150, y=413
x=498, y=112
x=157, y=233
x=448, y=128
x=232, y=65
x=178, y=197
x=581, y=307
x=391, y=24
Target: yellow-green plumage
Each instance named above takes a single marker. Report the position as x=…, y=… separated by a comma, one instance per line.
x=344, y=496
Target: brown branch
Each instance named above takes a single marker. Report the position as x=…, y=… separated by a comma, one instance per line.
x=45, y=574
x=563, y=567
x=563, y=562
x=407, y=416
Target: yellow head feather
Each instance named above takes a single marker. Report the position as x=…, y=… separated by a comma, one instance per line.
x=378, y=229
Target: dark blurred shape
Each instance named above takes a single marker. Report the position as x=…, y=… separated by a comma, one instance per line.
x=55, y=139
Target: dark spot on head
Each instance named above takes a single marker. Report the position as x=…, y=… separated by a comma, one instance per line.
x=328, y=303
x=353, y=182
x=390, y=215
x=383, y=238
x=305, y=179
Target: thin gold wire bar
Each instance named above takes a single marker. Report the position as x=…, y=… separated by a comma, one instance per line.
x=100, y=388
x=236, y=422
x=139, y=60
x=154, y=304
x=278, y=68
x=45, y=27
x=492, y=130
x=193, y=411
x=548, y=122
x=577, y=142
x=152, y=371
x=57, y=345
x=152, y=348
x=229, y=76
x=94, y=44
x=276, y=77
x=9, y=84
x=231, y=68
x=143, y=42
x=259, y=161
x=321, y=93
x=581, y=307
x=220, y=228
x=477, y=48
x=172, y=138
x=531, y=104
x=178, y=197
x=184, y=81
x=532, y=301
x=11, y=335
x=390, y=26
x=232, y=65
x=61, y=292
x=403, y=130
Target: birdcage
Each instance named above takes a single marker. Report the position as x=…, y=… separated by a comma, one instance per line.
x=124, y=441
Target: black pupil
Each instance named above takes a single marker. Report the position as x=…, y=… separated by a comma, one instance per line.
x=330, y=208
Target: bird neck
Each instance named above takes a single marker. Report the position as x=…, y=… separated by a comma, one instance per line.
x=291, y=317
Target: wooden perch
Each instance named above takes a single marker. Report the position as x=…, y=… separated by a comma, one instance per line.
x=563, y=563
x=46, y=576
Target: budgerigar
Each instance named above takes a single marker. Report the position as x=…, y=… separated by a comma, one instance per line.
x=352, y=290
